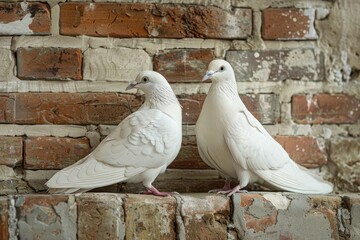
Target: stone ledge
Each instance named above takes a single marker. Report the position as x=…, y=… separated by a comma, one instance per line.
x=253, y=215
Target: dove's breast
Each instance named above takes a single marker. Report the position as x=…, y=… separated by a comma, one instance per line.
x=209, y=131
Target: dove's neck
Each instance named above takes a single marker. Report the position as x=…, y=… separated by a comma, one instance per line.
x=165, y=100
x=225, y=88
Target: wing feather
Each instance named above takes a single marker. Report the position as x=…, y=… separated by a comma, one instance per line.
x=251, y=146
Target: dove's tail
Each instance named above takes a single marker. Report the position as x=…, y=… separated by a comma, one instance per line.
x=295, y=178
x=85, y=175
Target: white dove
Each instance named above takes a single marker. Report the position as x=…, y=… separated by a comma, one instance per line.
x=231, y=140
x=139, y=148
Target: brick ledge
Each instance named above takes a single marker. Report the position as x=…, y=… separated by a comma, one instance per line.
x=251, y=215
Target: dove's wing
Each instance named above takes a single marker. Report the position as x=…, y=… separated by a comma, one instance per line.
x=255, y=150
x=250, y=145
x=145, y=139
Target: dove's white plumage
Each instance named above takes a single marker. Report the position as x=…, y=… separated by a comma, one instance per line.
x=231, y=140
x=137, y=150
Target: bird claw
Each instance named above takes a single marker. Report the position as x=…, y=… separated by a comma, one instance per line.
x=153, y=191
x=230, y=192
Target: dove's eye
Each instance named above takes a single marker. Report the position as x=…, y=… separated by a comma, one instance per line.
x=145, y=79
x=222, y=68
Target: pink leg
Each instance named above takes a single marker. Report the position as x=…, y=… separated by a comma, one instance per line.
x=224, y=188
x=153, y=191
x=236, y=189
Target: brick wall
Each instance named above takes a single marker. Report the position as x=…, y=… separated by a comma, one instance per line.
x=189, y=216
x=64, y=68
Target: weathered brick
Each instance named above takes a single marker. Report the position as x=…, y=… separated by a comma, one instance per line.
x=325, y=108
x=4, y=217
x=54, y=152
x=277, y=65
x=184, y=65
x=100, y=216
x=7, y=102
x=304, y=150
x=285, y=216
x=265, y=107
x=46, y=217
x=205, y=216
x=154, y=20
x=345, y=154
x=191, y=107
x=105, y=64
x=188, y=157
x=7, y=64
x=355, y=217
x=73, y=108
x=24, y=18
x=150, y=217
x=288, y=24
x=49, y=63
x=11, y=153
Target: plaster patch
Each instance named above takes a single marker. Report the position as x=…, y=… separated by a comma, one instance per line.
x=17, y=27
x=279, y=201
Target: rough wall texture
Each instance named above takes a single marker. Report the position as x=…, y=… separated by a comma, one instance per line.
x=64, y=66
x=192, y=216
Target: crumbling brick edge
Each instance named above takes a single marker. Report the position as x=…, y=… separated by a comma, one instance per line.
x=275, y=215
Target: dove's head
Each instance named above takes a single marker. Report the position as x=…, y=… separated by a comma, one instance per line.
x=219, y=70
x=148, y=81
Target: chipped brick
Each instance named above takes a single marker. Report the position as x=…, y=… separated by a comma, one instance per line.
x=288, y=24
x=304, y=150
x=184, y=65
x=277, y=65
x=11, y=151
x=24, y=18
x=100, y=216
x=325, y=108
x=154, y=20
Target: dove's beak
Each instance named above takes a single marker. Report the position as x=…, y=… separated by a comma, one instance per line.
x=131, y=85
x=208, y=75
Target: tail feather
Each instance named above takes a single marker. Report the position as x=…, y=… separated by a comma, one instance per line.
x=294, y=178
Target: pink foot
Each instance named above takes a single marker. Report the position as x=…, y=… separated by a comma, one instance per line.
x=226, y=187
x=153, y=191
x=230, y=192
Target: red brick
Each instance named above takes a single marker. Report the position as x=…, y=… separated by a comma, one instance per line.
x=34, y=19
x=304, y=150
x=288, y=24
x=73, y=108
x=11, y=153
x=153, y=20
x=46, y=217
x=49, y=63
x=7, y=102
x=185, y=65
x=54, y=152
x=191, y=107
x=325, y=108
x=188, y=157
x=4, y=216
x=277, y=65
